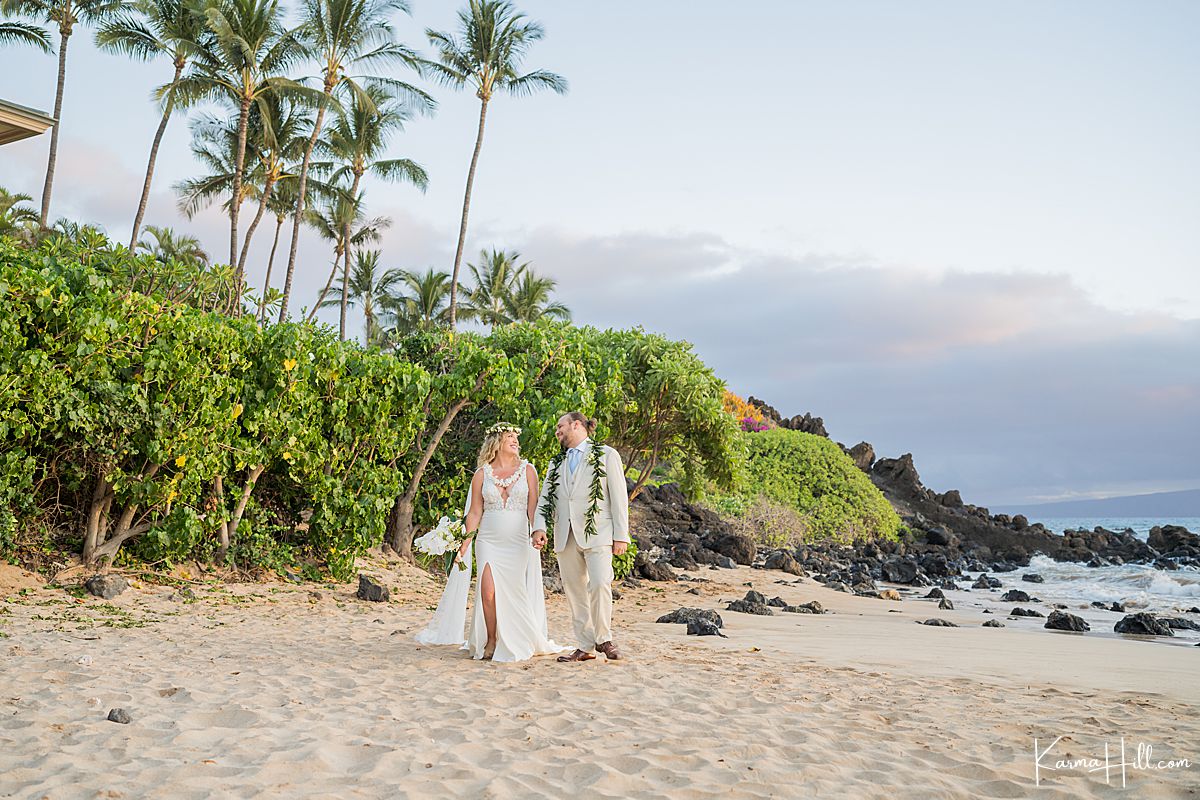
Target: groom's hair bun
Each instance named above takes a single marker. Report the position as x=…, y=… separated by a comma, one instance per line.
x=588, y=423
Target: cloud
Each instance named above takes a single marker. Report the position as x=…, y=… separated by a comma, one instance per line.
x=1010, y=386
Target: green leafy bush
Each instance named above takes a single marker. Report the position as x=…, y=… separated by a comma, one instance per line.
x=812, y=477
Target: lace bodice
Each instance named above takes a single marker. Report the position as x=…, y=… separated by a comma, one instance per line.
x=517, y=486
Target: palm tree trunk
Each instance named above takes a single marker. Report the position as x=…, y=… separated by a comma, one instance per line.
x=337, y=259
x=158, y=136
x=240, y=276
x=345, y=295
x=346, y=269
x=291, y=266
x=65, y=33
x=236, y=202
x=462, y=229
x=262, y=302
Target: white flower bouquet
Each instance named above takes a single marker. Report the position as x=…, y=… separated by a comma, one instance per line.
x=444, y=540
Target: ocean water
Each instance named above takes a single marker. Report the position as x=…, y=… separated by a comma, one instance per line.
x=1138, y=587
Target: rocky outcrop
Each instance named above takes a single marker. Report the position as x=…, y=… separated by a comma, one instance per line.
x=806, y=423
x=672, y=532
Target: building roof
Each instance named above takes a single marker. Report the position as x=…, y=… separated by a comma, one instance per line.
x=18, y=122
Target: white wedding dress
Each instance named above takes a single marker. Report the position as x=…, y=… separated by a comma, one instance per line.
x=501, y=545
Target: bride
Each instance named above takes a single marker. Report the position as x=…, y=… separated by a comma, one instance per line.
x=509, y=619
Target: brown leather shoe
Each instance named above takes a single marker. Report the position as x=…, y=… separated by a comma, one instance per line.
x=610, y=651
x=578, y=655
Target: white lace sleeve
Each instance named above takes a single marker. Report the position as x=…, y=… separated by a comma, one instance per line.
x=449, y=622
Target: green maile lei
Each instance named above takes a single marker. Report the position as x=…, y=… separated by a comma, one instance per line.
x=595, y=491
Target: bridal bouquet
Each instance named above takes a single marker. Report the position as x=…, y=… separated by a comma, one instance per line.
x=444, y=540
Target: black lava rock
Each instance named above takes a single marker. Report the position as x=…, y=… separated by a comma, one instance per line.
x=1033, y=577
x=993, y=623
x=704, y=627
x=945, y=604
x=1143, y=624
x=682, y=616
x=1181, y=624
x=370, y=589
x=939, y=623
x=106, y=586
x=934, y=594
x=986, y=581
x=1025, y=612
x=1015, y=596
x=746, y=607
x=1062, y=621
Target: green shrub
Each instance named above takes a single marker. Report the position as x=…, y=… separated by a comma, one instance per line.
x=810, y=475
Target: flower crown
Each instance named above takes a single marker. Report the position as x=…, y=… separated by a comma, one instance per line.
x=503, y=427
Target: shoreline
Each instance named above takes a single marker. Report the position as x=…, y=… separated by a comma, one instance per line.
x=266, y=691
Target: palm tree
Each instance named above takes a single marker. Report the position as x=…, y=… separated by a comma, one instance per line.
x=422, y=304
x=529, y=300
x=244, y=65
x=281, y=203
x=214, y=143
x=277, y=143
x=341, y=221
x=24, y=33
x=492, y=41
x=345, y=35
x=166, y=245
x=495, y=275
x=153, y=28
x=356, y=138
x=17, y=220
x=65, y=14
x=370, y=289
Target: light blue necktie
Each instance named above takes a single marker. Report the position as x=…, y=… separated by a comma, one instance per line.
x=573, y=459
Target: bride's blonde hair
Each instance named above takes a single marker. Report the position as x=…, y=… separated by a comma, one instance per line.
x=491, y=442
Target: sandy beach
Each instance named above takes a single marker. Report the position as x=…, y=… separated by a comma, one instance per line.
x=283, y=690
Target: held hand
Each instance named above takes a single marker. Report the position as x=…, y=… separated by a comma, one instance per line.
x=619, y=548
x=539, y=540
x=462, y=551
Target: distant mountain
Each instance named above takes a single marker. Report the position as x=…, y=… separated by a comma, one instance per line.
x=1161, y=504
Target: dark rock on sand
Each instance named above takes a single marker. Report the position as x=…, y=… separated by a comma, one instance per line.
x=119, y=715
x=986, y=581
x=1015, y=596
x=1025, y=612
x=1181, y=624
x=654, y=570
x=106, y=586
x=1143, y=624
x=746, y=607
x=945, y=604
x=704, y=627
x=777, y=602
x=993, y=623
x=1062, y=621
x=784, y=561
x=939, y=623
x=370, y=589
x=934, y=594
x=682, y=616
x=1033, y=577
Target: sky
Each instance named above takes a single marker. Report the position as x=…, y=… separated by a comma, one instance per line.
x=969, y=231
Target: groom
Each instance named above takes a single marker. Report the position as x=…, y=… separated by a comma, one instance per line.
x=586, y=536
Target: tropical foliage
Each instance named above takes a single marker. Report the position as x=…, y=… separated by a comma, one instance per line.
x=486, y=54
x=802, y=487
